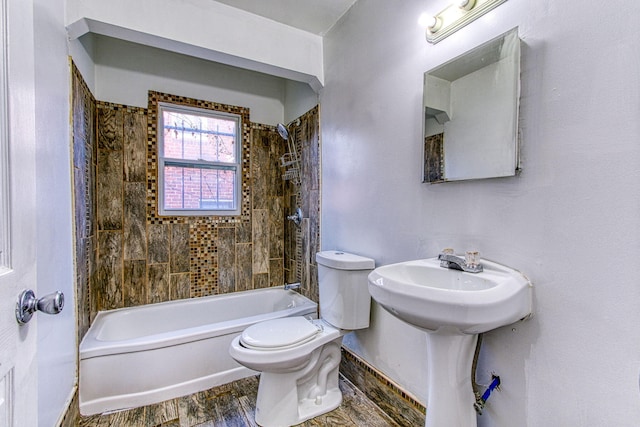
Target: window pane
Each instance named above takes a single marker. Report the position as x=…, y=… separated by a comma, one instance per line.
x=199, y=137
x=195, y=188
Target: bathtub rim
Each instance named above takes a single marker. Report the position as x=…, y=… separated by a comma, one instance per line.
x=91, y=347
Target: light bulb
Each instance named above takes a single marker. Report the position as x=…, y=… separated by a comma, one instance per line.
x=466, y=4
x=432, y=23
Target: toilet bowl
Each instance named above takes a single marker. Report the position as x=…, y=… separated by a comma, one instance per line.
x=299, y=368
x=299, y=357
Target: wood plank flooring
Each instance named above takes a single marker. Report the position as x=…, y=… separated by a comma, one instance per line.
x=233, y=405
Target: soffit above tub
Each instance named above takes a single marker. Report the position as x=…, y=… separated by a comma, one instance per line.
x=314, y=16
x=205, y=29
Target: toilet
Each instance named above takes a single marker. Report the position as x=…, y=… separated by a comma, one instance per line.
x=299, y=357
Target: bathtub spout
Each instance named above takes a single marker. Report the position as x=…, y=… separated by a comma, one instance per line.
x=288, y=286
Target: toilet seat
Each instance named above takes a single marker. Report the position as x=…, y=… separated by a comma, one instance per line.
x=279, y=334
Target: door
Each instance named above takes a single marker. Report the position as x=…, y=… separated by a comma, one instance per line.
x=18, y=348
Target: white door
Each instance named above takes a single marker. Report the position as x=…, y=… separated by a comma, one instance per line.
x=18, y=348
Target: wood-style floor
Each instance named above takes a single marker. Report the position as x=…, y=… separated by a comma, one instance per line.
x=233, y=405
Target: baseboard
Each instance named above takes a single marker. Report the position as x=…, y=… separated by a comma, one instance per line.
x=400, y=405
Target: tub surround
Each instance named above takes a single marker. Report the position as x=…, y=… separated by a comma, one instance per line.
x=128, y=256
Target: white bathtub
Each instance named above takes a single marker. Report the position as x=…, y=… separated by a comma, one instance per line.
x=137, y=356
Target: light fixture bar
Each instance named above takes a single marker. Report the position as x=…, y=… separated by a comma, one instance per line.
x=457, y=16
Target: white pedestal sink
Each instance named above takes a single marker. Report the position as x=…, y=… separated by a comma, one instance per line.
x=452, y=307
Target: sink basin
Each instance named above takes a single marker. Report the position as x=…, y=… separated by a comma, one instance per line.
x=435, y=298
x=452, y=307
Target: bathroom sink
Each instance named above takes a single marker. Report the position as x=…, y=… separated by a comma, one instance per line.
x=433, y=298
x=452, y=307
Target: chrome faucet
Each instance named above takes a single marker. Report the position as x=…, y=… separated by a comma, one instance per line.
x=288, y=286
x=469, y=263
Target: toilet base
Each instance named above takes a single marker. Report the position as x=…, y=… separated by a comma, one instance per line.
x=289, y=398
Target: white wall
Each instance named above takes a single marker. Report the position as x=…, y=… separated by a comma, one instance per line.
x=57, y=346
x=570, y=221
x=123, y=72
x=204, y=29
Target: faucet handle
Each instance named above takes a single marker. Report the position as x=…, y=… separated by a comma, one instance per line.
x=472, y=258
x=448, y=251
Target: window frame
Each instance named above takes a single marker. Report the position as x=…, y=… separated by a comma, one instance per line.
x=199, y=164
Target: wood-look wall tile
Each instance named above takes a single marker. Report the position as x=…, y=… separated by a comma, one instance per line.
x=179, y=248
x=314, y=291
x=260, y=218
x=110, y=128
x=108, y=287
x=135, y=233
x=276, y=227
x=260, y=170
x=260, y=281
x=244, y=263
x=81, y=201
x=305, y=256
x=159, y=283
x=135, y=283
x=276, y=272
x=314, y=151
x=314, y=223
x=226, y=260
x=277, y=149
x=83, y=255
x=180, y=286
x=157, y=243
x=92, y=205
x=243, y=232
x=290, y=273
x=109, y=190
x=93, y=275
x=135, y=147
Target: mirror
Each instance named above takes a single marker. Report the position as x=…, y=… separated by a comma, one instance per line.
x=471, y=113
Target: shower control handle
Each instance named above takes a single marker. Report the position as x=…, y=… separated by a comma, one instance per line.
x=296, y=217
x=28, y=304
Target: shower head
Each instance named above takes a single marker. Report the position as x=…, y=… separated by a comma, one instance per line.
x=282, y=130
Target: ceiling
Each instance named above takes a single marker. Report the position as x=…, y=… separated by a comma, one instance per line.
x=314, y=16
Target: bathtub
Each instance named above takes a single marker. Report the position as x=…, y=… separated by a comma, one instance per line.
x=137, y=356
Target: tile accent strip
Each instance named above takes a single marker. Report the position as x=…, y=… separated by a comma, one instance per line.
x=400, y=405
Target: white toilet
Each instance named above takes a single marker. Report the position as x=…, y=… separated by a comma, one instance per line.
x=299, y=358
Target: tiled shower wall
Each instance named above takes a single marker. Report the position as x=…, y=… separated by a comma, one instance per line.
x=127, y=255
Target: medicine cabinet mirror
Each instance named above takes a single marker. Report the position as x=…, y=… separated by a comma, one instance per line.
x=471, y=113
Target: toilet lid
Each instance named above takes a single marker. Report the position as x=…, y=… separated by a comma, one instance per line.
x=279, y=333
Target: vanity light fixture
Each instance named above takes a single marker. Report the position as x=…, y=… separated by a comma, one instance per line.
x=456, y=16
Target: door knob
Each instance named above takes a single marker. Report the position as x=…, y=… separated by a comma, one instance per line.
x=27, y=304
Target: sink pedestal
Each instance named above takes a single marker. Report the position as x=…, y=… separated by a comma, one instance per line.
x=450, y=391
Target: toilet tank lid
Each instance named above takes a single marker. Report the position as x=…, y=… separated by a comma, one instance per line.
x=344, y=261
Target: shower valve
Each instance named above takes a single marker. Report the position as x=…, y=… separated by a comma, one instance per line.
x=296, y=217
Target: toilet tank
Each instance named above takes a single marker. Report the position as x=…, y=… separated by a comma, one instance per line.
x=345, y=301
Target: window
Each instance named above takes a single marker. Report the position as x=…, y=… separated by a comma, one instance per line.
x=199, y=168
